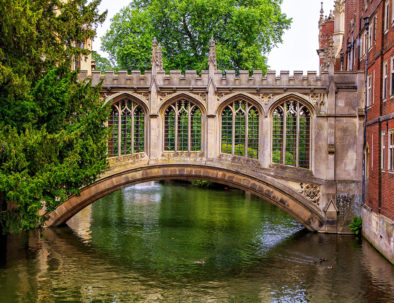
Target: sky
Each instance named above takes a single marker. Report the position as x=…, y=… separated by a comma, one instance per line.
x=298, y=50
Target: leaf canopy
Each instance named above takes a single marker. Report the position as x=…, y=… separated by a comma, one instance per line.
x=244, y=30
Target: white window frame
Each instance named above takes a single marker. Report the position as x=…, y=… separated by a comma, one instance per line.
x=386, y=16
x=375, y=28
x=390, y=145
x=383, y=151
x=372, y=154
x=373, y=88
x=385, y=78
x=363, y=42
x=392, y=12
x=370, y=32
x=369, y=90
x=392, y=76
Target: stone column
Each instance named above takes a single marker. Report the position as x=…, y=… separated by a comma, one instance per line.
x=213, y=140
x=155, y=135
x=265, y=143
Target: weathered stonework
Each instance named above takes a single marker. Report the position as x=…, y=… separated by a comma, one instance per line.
x=379, y=230
x=314, y=196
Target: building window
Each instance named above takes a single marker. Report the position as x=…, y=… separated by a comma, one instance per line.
x=369, y=90
x=240, y=129
x=375, y=28
x=391, y=150
x=182, y=127
x=373, y=88
x=392, y=11
x=365, y=43
x=370, y=34
x=372, y=154
x=386, y=16
x=385, y=76
x=291, y=134
x=127, y=121
x=383, y=155
x=392, y=76
x=367, y=163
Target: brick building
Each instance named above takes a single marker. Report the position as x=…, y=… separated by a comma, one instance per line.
x=361, y=36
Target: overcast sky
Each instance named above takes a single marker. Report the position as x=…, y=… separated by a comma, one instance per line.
x=298, y=51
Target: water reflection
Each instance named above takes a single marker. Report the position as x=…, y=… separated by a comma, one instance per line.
x=125, y=251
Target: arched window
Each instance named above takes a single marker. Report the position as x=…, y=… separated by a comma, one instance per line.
x=240, y=129
x=127, y=121
x=291, y=134
x=182, y=127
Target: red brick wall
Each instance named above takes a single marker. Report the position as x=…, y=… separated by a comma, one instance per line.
x=325, y=34
x=380, y=188
x=380, y=195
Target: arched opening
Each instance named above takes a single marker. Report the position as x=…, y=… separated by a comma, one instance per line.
x=285, y=198
x=182, y=126
x=291, y=129
x=127, y=122
x=240, y=129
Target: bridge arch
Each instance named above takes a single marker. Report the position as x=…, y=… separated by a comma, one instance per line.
x=285, y=198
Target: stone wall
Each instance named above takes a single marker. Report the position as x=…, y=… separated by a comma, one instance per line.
x=331, y=186
x=379, y=231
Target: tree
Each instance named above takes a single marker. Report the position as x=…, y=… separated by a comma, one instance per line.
x=102, y=64
x=244, y=30
x=52, y=138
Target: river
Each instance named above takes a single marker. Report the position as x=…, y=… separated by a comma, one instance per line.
x=157, y=242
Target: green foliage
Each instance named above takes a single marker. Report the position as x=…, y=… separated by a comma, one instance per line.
x=102, y=64
x=243, y=30
x=52, y=138
x=356, y=226
x=240, y=148
x=202, y=183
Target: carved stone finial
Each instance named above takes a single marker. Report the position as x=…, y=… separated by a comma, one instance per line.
x=154, y=49
x=212, y=42
x=212, y=54
x=321, y=12
x=157, y=57
x=339, y=6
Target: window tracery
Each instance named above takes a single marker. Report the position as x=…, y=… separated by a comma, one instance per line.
x=240, y=129
x=127, y=121
x=182, y=126
x=291, y=134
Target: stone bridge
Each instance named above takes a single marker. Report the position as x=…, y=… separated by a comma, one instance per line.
x=294, y=140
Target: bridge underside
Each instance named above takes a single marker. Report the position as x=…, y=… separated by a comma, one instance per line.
x=286, y=198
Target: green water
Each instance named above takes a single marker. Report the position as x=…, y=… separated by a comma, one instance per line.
x=177, y=243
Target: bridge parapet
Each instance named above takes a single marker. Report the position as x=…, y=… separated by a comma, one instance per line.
x=228, y=78
x=296, y=137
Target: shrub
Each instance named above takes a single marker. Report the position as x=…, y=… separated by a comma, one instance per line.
x=356, y=226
